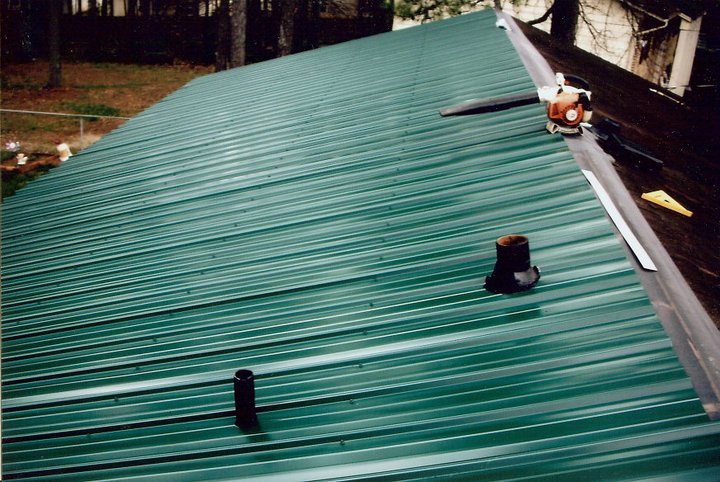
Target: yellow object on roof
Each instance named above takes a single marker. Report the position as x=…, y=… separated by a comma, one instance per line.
x=661, y=198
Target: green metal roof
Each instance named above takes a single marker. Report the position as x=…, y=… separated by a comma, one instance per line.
x=315, y=220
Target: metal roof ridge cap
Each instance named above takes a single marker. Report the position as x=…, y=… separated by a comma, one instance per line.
x=694, y=336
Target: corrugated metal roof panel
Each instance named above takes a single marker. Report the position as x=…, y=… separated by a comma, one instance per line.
x=315, y=220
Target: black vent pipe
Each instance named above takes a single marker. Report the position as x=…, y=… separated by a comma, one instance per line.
x=244, y=385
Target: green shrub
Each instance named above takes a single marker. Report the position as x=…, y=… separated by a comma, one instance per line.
x=5, y=155
x=11, y=182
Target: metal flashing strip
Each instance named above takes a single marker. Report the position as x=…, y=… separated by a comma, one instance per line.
x=637, y=248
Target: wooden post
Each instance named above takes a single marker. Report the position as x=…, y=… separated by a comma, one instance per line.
x=684, y=55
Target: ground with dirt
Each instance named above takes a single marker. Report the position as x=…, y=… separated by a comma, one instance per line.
x=686, y=139
x=118, y=90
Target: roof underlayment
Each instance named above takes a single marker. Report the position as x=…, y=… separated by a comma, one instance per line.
x=315, y=220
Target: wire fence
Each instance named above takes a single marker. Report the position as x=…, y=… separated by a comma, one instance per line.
x=80, y=117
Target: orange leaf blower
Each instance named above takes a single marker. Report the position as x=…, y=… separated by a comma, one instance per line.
x=568, y=104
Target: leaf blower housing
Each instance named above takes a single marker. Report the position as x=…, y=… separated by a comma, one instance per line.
x=568, y=104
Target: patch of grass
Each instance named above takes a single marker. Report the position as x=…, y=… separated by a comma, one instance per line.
x=132, y=85
x=8, y=85
x=27, y=127
x=91, y=109
x=10, y=82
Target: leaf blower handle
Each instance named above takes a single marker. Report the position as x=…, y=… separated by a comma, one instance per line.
x=578, y=81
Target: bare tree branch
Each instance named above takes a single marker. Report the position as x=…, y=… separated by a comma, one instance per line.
x=598, y=37
x=544, y=17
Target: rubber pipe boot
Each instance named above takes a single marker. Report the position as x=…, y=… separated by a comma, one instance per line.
x=512, y=272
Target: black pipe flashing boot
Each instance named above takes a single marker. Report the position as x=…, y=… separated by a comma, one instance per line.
x=512, y=272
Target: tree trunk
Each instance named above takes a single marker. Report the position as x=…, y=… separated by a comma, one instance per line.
x=55, y=77
x=145, y=8
x=287, y=27
x=222, y=53
x=238, y=33
x=565, y=20
x=300, y=28
x=253, y=32
x=131, y=8
x=313, y=25
x=390, y=15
